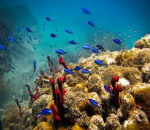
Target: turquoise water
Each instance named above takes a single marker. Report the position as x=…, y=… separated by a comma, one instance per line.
x=127, y=20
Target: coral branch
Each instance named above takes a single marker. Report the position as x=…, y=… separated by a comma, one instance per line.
x=19, y=106
x=51, y=67
x=52, y=82
x=62, y=62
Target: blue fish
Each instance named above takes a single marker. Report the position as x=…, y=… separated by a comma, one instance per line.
x=48, y=19
x=95, y=50
x=73, y=42
x=28, y=30
x=84, y=71
x=53, y=35
x=107, y=89
x=44, y=112
x=98, y=62
x=77, y=68
x=34, y=66
x=68, y=30
x=68, y=71
x=12, y=39
x=86, y=11
x=100, y=47
x=30, y=38
x=87, y=47
x=1, y=47
x=93, y=102
x=60, y=52
x=91, y=24
x=117, y=41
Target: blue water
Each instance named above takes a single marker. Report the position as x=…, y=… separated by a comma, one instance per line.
x=127, y=20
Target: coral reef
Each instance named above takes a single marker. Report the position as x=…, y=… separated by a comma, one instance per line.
x=113, y=96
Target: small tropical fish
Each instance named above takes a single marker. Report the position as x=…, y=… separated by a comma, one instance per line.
x=107, y=89
x=68, y=71
x=48, y=19
x=12, y=39
x=95, y=50
x=1, y=47
x=87, y=47
x=100, y=47
x=93, y=102
x=73, y=42
x=60, y=52
x=30, y=38
x=68, y=30
x=117, y=41
x=86, y=11
x=98, y=62
x=53, y=35
x=91, y=24
x=34, y=66
x=46, y=111
x=28, y=30
x=77, y=68
x=84, y=71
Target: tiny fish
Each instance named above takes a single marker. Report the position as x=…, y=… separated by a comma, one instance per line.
x=93, y=102
x=87, y=47
x=34, y=66
x=86, y=11
x=84, y=71
x=12, y=39
x=95, y=50
x=100, y=47
x=48, y=19
x=1, y=47
x=53, y=35
x=68, y=31
x=117, y=41
x=28, y=30
x=68, y=71
x=46, y=111
x=91, y=24
x=77, y=68
x=98, y=62
x=107, y=89
x=60, y=52
x=28, y=41
x=73, y=42
x=30, y=38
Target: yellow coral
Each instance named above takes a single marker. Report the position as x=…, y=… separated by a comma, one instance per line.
x=44, y=126
x=86, y=90
x=77, y=127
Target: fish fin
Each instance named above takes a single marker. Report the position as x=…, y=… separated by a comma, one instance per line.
x=90, y=13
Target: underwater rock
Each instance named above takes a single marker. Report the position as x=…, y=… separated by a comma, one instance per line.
x=141, y=93
x=144, y=42
x=133, y=58
x=136, y=116
x=96, y=123
x=146, y=73
x=132, y=74
x=127, y=104
x=112, y=122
